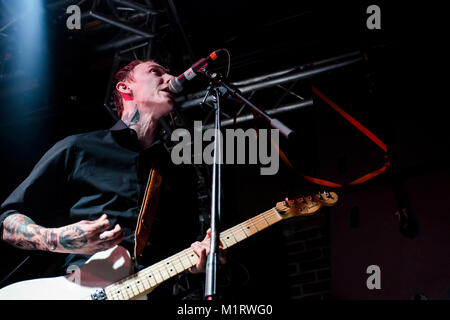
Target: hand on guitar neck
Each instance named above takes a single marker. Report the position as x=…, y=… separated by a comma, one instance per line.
x=202, y=250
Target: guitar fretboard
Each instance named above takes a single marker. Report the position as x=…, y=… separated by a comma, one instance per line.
x=147, y=279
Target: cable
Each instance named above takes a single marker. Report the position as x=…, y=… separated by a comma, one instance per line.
x=229, y=60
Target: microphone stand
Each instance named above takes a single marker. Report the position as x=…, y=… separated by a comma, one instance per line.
x=221, y=88
x=216, y=196
x=235, y=93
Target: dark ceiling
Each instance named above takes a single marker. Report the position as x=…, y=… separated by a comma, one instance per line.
x=261, y=36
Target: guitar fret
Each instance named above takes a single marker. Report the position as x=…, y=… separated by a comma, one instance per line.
x=275, y=214
x=146, y=277
x=178, y=256
x=238, y=235
x=162, y=277
x=173, y=265
x=268, y=224
x=109, y=293
x=130, y=285
x=234, y=236
x=127, y=291
x=128, y=294
x=139, y=282
x=183, y=262
x=151, y=276
x=121, y=292
x=187, y=256
x=249, y=227
x=136, y=281
x=261, y=223
x=177, y=265
x=224, y=240
x=156, y=276
x=168, y=270
x=226, y=237
x=133, y=286
x=240, y=225
x=133, y=294
x=190, y=261
x=254, y=224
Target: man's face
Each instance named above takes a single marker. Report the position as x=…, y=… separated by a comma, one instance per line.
x=149, y=88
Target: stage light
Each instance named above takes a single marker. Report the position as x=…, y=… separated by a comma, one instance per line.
x=27, y=43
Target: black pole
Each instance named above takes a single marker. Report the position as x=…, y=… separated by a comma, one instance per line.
x=211, y=263
x=221, y=88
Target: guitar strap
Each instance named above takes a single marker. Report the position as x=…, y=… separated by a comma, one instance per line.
x=148, y=210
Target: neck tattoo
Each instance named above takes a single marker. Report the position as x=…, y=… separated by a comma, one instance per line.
x=133, y=118
x=143, y=125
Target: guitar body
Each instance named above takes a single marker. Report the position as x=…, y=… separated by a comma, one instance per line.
x=102, y=269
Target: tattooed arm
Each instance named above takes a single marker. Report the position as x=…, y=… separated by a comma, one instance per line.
x=84, y=237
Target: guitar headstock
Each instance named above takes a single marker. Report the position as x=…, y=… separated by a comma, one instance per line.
x=307, y=205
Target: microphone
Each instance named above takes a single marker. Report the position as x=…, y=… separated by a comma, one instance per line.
x=176, y=84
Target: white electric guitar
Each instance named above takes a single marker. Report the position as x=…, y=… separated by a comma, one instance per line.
x=108, y=275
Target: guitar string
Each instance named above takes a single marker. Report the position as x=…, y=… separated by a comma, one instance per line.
x=162, y=265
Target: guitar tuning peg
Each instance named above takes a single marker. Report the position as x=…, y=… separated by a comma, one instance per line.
x=320, y=195
x=286, y=202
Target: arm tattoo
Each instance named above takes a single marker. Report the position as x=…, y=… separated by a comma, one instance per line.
x=51, y=239
x=72, y=237
x=22, y=232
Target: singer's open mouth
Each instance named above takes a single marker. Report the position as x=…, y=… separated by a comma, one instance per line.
x=168, y=91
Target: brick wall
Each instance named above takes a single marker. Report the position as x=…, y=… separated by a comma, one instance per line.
x=309, y=264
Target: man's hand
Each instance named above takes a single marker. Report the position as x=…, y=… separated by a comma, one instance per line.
x=202, y=250
x=89, y=237
x=84, y=237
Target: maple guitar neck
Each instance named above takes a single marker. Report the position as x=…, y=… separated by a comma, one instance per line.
x=144, y=281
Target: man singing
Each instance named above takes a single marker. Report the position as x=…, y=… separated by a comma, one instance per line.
x=85, y=193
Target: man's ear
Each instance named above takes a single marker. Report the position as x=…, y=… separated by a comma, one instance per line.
x=124, y=90
x=122, y=87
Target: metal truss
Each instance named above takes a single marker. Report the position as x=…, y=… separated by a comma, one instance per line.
x=284, y=80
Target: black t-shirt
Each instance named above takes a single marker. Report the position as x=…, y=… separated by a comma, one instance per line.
x=86, y=175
